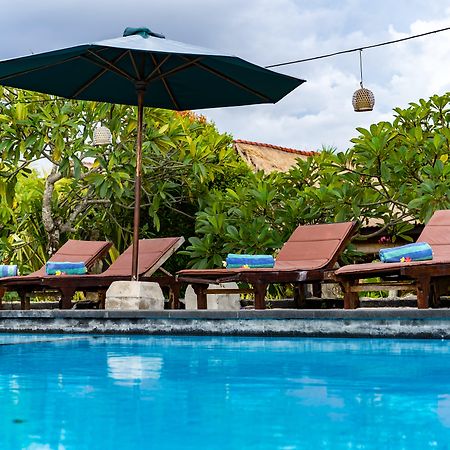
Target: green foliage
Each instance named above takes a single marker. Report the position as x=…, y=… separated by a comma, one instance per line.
x=253, y=217
x=21, y=241
x=374, y=294
x=195, y=185
x=406, y=161
x=92, y=198
x=183, y=158
x=394, y=175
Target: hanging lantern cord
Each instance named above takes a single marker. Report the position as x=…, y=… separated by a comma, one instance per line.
x=360, y=67
x=363, y=99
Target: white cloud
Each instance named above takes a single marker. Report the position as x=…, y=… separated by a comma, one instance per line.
x=320, y=112
x=266, y=32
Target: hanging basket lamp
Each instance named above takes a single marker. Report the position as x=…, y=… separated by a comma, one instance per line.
x=363, y=99
x=102, y=136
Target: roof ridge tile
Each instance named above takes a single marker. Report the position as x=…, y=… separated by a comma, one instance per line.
x=276, y=147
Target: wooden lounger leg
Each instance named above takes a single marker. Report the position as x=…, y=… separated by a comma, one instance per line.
x=174, y=295
x=439, y=287
x=2, y=293
x=260, y=290
x=24, y=300
x=101, y=298
x=300, y=295
x=423, y=292
x=67, y=294
x=200, y=290
x=351, y=299
x=317, y=290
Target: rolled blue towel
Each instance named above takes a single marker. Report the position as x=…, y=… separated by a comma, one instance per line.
x=235, y=261
x=8, y=270
x=67, y=268
x=420, y=251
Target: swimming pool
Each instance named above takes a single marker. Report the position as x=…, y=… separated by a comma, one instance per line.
x=137, y=392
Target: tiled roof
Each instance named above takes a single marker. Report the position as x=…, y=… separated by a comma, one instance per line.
x=277, y=147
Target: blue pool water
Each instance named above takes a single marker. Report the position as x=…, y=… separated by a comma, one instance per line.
x=85, y=392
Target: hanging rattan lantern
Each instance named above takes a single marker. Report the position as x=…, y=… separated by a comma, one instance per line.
x=363, y=99
x=102, y=136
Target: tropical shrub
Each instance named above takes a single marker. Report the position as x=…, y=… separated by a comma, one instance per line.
x=88, y=192
x=396, y=174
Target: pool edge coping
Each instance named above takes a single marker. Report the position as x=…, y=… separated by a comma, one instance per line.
x=364, y=322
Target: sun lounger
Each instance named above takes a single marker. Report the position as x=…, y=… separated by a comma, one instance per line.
x=310, y=252
x=88, y=252
x=153, y=253
x=427, y=278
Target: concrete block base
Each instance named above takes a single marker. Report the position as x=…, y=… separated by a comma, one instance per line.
x=134, y=295
x=223, y=302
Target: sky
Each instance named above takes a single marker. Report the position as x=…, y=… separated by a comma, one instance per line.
x=317, y=114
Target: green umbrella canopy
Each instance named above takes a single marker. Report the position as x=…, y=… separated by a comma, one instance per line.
x=174, y=75
x=143, y=68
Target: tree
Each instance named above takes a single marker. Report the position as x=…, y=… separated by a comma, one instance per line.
x=89, y=191
x=34, y=128
x=396, y=174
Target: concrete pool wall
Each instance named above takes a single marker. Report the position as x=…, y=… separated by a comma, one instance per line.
x=363, y=322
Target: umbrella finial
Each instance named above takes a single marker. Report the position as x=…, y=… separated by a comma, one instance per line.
x=141, y=31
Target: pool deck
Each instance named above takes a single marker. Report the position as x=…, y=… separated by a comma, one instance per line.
x=364, y=322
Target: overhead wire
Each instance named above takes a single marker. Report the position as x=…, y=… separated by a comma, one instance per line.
x=380, y=44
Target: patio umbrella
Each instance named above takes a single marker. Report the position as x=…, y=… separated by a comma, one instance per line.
x=143, y=68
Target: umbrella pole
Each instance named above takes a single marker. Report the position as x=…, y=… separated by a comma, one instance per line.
x=137, y=187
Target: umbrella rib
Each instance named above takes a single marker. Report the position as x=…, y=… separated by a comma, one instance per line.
x=96, y=77
x=172, y=71
x=111, y=66
x=133, y=62
x=157, y=70
x=157, y=66
x=166, y=84
x=34, y=69
x=138, y=75
x=232, y=81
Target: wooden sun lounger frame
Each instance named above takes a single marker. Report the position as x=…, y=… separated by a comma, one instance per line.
x=428, y=282
x=68, y=285
x=428, y=279
x=89, y=252
x=260, y=279
x=259, y=282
